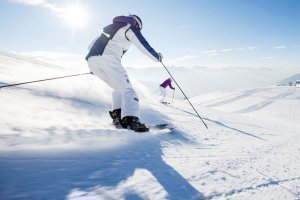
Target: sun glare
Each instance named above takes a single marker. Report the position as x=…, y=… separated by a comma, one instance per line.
x=75, y=16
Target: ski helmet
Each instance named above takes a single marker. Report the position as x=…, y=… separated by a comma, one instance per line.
x=138, y=21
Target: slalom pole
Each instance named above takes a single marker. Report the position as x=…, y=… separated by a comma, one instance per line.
x=48, y=79
x=184, y=94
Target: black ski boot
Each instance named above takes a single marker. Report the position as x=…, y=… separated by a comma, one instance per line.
x=116, y=117
x=134, y=124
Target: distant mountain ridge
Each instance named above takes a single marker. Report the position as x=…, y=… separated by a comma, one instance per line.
x=201, y=80
x=291, y=79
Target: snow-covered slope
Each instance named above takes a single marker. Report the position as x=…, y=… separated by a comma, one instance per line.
x=274, y=103
x=57, y=141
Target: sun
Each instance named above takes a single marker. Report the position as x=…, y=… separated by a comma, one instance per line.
x=75, y=16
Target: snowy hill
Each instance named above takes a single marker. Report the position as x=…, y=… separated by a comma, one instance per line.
x=57, y=141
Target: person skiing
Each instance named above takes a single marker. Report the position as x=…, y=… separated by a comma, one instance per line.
x=104, y=61
x=162, y=89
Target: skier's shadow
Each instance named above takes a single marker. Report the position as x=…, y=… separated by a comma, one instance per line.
x=118, y=165
x=57, y=177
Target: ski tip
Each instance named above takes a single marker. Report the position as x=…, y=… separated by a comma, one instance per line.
x=162, y=126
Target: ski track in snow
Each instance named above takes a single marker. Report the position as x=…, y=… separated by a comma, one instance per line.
x=57, y=142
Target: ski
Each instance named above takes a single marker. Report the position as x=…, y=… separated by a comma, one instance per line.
x=153, y=127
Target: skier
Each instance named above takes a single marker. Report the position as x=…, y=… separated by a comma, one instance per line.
x=162, y=89
x=104, y=61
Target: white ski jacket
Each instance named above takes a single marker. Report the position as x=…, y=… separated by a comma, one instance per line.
x=117, y=38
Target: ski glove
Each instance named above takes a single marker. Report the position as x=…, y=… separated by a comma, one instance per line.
x=160, y=57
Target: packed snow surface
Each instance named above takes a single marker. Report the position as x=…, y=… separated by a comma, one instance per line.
x=57, y=141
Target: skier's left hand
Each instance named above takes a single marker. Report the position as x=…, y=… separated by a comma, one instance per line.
x=160, y=57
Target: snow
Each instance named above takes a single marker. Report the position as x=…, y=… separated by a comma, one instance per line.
x=56, y=141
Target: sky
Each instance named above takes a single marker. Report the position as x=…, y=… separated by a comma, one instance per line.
x=209, y=33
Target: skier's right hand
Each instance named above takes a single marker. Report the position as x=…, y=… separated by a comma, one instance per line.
x=160, y=57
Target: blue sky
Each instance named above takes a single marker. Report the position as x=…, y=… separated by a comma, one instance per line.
x=211, y=33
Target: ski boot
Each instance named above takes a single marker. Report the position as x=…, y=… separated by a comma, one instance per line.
x=133, y=123
x=116, y=117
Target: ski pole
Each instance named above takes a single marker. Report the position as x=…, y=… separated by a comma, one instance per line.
x=184, y=94
x=155, y=91
x=48, y=79
x=173, y=96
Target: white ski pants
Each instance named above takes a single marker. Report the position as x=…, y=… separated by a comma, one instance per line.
x=163, y=93
x=111, y=71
